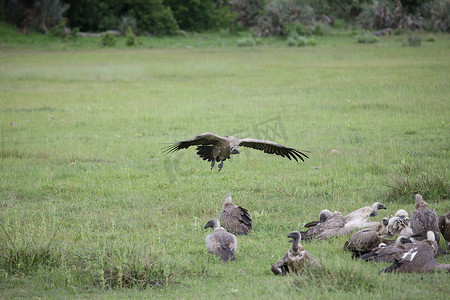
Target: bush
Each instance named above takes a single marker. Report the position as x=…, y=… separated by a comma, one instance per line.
x=277, y=14
x=437, y=14
x=132, y=39
x=247, y=11
x=300, y=41
x=246, y=42
x=45, y=15
x=108, y=40
x=366, y=38
x=414, y=40
x=296, y=28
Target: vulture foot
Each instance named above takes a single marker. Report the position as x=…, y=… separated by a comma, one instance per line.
x=221, y=165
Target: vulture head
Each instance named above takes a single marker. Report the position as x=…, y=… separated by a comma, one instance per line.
x=375, y=207
x=418, y=199
x=295, y=236
x=385, y=221
x=228, y=198
x=431, y=236
x=213, y=223
x=401, y=213
x=402, y=240
x=325, y=215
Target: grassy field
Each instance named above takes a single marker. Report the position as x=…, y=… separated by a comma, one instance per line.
x=88, y=201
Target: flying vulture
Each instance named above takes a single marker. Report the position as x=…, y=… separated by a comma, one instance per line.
x=295, y=259
x=444, y=227
x=360, y=218
x=419, y=258
x=235, y=219
x=215, y=148
x=221, y=243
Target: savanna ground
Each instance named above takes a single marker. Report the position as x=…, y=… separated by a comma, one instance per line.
x=90, y=206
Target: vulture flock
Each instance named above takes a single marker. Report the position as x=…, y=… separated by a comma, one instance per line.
x=409, y=242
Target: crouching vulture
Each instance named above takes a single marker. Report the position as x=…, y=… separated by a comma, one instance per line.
x=419, y=258
x=215, y=148
x=235, y=219
x=220, y=243
x=444, y=227
x=296, y=258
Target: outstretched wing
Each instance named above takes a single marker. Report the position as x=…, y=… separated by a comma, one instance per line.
x=273, y=148
x=206, y=138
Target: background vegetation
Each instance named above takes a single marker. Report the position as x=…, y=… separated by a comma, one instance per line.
x=90, y=207
x=264, y=17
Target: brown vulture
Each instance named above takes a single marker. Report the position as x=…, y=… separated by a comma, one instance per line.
x=419, y=258
x=295, y=259
x=215, y=148
x=444, y=227
x=235, y=219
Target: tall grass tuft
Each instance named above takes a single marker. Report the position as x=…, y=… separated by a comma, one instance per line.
x=25, y=257
x=122, y=267
x=409, y=180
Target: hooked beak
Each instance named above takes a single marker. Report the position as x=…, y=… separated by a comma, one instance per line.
x=381, y=206
x=234, y=151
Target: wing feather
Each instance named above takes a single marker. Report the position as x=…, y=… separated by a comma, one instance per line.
x=273, y=148
x=206, y=138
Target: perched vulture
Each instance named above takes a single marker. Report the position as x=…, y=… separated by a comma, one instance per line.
x=295, y=259
x=419, y=258
x=399, y=224
x=360, y=218
x=220, y=242
x=214, y=148
x=423, y=220
x=444, y=227
x=366, y=239
x=235, y=219
x=388, y=253
x=334, y=226
x=323, y=216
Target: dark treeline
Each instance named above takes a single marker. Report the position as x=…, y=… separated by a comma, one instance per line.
x=265, y=17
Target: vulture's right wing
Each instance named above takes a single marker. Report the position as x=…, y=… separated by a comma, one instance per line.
x=206, y=138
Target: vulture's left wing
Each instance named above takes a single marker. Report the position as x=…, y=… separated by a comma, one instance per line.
x=273, y=148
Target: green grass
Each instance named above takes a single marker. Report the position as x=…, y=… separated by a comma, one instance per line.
x=89, y=202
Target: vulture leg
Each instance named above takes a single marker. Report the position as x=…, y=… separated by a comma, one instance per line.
x=221, y=165
x=212, y=163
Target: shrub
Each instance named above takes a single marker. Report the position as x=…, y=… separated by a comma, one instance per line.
x=45, y=15
x=437, y=14
x=132, y=39
x=247, y=11
x=278, y=14
x=296, y=28
x=246, y=42
x=108, y=40
x=366, y=38
x=414, y=40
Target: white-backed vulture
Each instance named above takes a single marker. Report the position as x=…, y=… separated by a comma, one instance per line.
x=323, y=216
x=366, y=239
x=214, y=148
x=423, y=219
x=296, y=258
x=360, y=218
x=399, y=224
x=334, y=226
x=419, y=258
x=235, y=219
x=219, y=242
x=388, y=253
x=444, y=227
